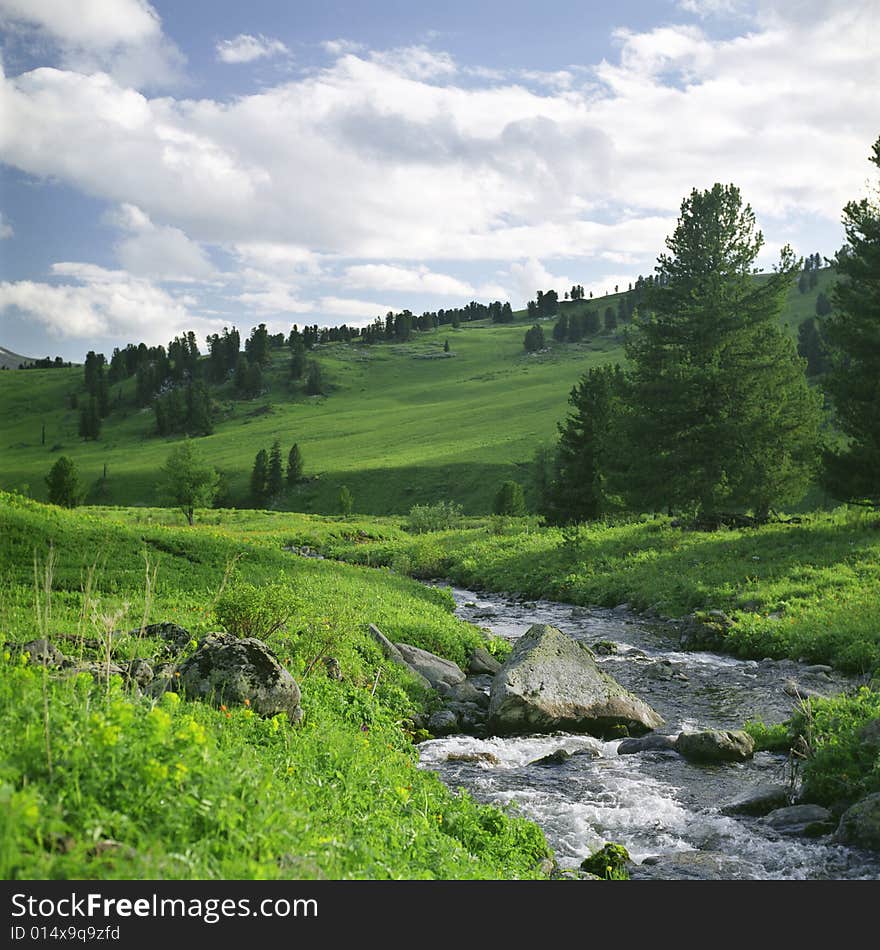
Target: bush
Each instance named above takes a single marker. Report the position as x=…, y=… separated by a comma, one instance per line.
x=842, y=763
x=510, y=500
x=246, y=610
x=440, y=516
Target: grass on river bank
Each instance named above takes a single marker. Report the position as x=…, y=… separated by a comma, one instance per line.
x=97, y=783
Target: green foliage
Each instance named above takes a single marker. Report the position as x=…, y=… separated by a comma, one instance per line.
x=534, y=339
x=578, y=488
x=792, y=590
x=260, y=478
x=256, y=610
x=342, y=797
x=609, y=862
x=842, y=762
x=439, y=516
x=188, y=481
x=315, y=379
x=720, y=415
x=275, y=472
x=294, y=464
x=90, y=420
x=346, y=500
x=63, y=483
x=853, y=333
x=469, y=423
x=510, y=500
x=773, y=738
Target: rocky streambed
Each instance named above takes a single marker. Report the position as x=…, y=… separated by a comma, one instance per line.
x=679, y=816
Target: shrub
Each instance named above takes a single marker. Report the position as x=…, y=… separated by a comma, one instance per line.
x=510, y=500
x=248, y=610
x=440, y=516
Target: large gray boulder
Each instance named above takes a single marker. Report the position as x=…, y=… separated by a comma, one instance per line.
x=551, y=682
x=860, y=824
x=482, y=661
x=434, y=668
x=227, y=670
x=695, y=866
x=809, y=821
x=716, y=745
x=655, y=742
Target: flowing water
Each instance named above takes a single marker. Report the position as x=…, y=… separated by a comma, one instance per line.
x=655, y=803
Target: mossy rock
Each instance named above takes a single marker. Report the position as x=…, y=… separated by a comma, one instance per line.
x=609, y=862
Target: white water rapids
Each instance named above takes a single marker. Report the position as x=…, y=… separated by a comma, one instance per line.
x=657, y=804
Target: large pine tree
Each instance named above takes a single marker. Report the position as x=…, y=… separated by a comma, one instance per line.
x=721, y=416
x=853, y=333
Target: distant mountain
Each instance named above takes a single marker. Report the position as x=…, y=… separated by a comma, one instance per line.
x=10, y=360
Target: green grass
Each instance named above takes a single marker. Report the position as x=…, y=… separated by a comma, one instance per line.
x=397, y=427
x=189, y=791
x=808, y=590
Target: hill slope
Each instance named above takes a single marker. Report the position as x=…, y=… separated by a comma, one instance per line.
x=401, y=424
x=10, y=360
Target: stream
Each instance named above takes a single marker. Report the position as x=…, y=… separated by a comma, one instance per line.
x=667, y=811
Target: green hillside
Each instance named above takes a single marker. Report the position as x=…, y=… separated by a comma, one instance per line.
x=401, y=424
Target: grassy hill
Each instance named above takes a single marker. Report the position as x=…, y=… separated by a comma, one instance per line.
x=401, y=424
x=10, y=360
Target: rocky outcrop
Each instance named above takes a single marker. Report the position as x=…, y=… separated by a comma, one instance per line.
x=860, y=824
x=434, y=668
x=443, y=722
x=482, y=661
x=809, y=821
x=228, y=670
x=758, y=801
x=695, y=866
x=654, y=742
x=715, y=745
x=552, y=682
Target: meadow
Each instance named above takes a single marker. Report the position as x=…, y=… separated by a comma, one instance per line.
x=401, y=423
x=99, y=782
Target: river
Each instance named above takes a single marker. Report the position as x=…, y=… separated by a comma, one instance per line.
x=664, y=809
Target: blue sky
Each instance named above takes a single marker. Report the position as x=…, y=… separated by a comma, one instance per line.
x=168, y=166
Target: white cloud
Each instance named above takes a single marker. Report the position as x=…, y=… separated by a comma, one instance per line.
x=349, y=307
x=341, y=47
x=420, y=280
x=278, y=259
x=245, y=48
x=416, y=62
x=531, y=276
x=714, y=8
x=158, y=252
x=6, y=230
x=121, y=37
x=101, y=303
x=394, y=156
x=87, y=23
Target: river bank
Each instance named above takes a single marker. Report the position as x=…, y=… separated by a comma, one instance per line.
x=678, y=820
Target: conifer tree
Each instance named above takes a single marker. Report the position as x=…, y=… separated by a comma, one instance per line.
x=294, y=465
x=579, y=489
x=275, y=472
x=853, y=333
x=63, y=483
x=260, y=478
x=721, y=417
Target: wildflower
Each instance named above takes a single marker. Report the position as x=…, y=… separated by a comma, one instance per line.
x=222, y=708
x=247, y=702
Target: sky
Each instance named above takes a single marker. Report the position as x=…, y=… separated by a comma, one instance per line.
x=167, y=166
